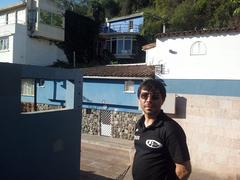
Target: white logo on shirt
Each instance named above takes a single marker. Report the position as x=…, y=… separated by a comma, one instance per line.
x=153, y=143
x=136, y=137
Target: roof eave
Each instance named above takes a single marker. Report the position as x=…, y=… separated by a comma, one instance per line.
x=116, y=77
x=13, y=7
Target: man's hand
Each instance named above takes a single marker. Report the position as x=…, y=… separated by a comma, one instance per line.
x=183, y=170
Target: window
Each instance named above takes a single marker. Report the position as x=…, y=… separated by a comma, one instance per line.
x=51, y=18
x=4, y=43
x=198, y=48
x=27, y=87
x=130, y=26
x=128, y=45
x=120, y=45
x=129, y=86
x=120, y=49
x=2, y=19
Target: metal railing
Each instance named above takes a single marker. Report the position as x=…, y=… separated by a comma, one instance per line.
x=120, y=28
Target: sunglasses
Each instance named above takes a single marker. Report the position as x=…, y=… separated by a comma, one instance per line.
x=154, y=96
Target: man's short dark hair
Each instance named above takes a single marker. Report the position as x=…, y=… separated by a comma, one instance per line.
x=153, y=85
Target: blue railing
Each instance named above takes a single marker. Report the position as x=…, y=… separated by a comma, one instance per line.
x=120, y=28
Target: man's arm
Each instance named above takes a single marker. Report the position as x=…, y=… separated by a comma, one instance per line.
x=183, y=170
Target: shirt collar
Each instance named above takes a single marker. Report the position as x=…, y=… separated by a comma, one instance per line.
x=157, y=123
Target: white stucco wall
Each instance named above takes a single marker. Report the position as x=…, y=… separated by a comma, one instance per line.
x=33, y=51
x=21, y=16
x=42, y=52
x=221, y=60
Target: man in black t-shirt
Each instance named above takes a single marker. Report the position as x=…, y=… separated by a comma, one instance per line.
x=160, y=142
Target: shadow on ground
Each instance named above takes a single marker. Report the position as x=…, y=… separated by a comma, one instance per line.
x=89, y=175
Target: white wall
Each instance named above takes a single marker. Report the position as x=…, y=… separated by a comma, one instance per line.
x=19, y=44
x=21, y=16
x=221, y=60
x=42, y=52
x=33, y=51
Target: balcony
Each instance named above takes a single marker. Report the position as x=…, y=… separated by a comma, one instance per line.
x=120, y=28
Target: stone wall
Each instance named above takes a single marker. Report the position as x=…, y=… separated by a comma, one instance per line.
x=29, y=107
x=91, y=121
x=123, y=123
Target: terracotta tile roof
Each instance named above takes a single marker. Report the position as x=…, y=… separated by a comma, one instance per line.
x=148, y=46
x=197, y=32
x=118, y=71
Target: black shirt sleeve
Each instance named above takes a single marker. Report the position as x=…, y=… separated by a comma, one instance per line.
x=176, y=143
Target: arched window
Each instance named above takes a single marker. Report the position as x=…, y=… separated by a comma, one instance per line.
x=198, y=48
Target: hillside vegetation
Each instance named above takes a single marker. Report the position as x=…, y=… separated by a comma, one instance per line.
x=176, y=15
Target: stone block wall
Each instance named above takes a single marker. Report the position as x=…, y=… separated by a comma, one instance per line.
x=91, y=121
x=123, y=123
x=212, y=126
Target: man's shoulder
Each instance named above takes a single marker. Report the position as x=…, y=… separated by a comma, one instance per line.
x=170, y=124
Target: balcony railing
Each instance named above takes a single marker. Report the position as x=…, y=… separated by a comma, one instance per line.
x=120, y=28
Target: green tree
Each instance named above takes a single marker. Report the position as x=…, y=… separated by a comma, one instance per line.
x=183, y=17
x=236, y=4
x=78, y=6
x=111, y=8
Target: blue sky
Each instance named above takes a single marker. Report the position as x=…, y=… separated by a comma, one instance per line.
x=4, y=3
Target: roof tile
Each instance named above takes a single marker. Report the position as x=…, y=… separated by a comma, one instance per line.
x=143, y=71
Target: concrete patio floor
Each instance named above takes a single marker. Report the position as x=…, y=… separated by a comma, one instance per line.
x=105, y=158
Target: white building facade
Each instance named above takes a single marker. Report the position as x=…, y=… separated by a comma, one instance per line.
x=29, y=32
x=197, y=55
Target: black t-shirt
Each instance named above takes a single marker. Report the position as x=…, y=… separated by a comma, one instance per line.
x=158, y=148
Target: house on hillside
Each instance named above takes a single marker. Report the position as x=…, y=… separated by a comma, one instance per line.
x=121, y=37
x=29, y=32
